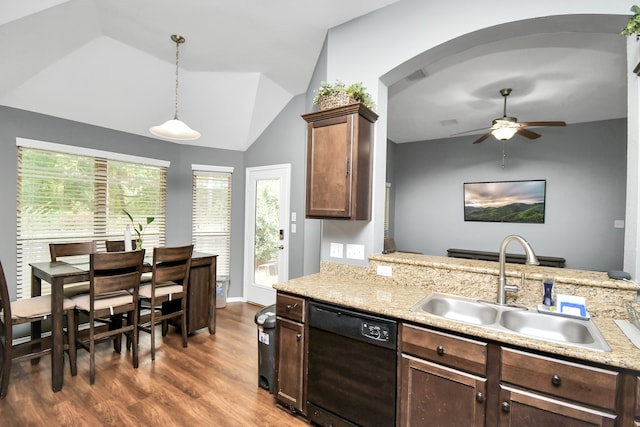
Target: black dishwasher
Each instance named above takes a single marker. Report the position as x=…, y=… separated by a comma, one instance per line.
x=352, y=367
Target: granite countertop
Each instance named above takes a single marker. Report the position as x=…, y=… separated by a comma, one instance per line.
x=396, y=300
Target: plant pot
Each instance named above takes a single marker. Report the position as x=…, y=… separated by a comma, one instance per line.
x=337, y=100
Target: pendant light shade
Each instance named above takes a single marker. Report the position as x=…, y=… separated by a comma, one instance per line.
x=174, y=128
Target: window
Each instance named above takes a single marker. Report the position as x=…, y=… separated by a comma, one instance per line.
x=68, y=194
x=211, y=222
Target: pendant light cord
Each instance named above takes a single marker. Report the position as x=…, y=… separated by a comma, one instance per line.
x=177, y=63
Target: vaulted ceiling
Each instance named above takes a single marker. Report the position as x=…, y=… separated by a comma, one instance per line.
x=111, y=63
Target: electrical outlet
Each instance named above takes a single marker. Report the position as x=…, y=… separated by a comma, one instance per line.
x=618, y=223
x=384, y=270
x=355, y=251
x=336, y=250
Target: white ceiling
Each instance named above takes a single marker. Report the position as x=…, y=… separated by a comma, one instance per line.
x=110, y=63
x=567, y=76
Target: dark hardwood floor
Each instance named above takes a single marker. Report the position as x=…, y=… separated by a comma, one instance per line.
x=212, y=382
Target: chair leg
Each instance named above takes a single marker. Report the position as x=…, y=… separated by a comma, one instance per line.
x=92, y=356
x=184, y=323
x=152, y=326
x=116, y=323
x=165, y=327
x=5, y=369
x=134, y=336
x=71, y=340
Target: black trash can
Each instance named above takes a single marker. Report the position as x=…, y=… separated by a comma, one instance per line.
x=266, y=321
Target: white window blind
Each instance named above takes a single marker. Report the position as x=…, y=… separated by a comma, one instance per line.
x=211, y=221
x=69, y=197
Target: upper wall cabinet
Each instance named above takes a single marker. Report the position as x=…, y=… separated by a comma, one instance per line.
x=339, y=162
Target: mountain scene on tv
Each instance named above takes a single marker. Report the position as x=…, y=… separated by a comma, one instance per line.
x=510, y=201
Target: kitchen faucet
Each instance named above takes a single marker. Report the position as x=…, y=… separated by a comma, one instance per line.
x=502, y=281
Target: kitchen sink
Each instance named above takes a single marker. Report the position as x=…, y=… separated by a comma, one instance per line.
x=463, y=310
x=513, y=319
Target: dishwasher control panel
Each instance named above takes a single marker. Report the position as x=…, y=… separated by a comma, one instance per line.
x=378, y=332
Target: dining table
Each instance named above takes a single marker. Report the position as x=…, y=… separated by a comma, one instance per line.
x=61, y=273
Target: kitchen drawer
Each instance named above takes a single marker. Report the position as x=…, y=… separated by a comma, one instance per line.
x=446, y=349
x=581, y=383
x=291, y=307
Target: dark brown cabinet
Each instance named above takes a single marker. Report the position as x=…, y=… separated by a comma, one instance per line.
x=554, y=392
x=201, y=302
x=442, y=379
x=291, y=350
x=339, y=162
x=447, y=379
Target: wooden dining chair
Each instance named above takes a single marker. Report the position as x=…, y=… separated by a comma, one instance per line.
x=114, y=279
x=64, y=251
x=27, y=310
x=117, y=245
x=169, y=283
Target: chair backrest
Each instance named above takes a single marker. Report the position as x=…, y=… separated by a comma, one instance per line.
x=5, y=306
x=114, y=271
x=172, y=264
x=58, y=250
x=118, y=245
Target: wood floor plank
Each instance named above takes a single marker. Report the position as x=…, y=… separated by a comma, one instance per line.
x=212, y=382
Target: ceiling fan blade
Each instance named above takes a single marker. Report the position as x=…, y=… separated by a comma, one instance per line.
x=482, y=138
x=468, y=131
x=528, y=134
x=525, y=124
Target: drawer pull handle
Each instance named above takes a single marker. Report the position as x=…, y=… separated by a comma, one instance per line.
x=440, y=350
x=506, y=407
x=479, y=397
x=291, y=307
x=556, y=380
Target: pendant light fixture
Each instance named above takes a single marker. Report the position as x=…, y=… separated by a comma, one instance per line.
x=174, y=128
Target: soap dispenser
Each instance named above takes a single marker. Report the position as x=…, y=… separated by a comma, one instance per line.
x=547, y=295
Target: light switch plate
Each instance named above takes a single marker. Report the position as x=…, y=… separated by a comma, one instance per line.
x=336, y=250
x=355, y=251
x=618, y=223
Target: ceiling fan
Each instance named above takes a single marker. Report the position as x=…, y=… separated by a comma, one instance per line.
x=505, y=127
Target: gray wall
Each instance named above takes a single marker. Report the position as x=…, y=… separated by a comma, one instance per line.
x=585, y=169
x=18, y=123
x=284, y=142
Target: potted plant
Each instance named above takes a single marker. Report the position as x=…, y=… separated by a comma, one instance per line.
x=331, y=95
x=633, y=26
x=138, y=228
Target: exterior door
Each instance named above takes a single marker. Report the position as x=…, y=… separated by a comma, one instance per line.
x=266, y=232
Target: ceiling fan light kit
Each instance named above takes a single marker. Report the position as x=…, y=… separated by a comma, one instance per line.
x=505, y=127
x=504, y=133
x=174, y=128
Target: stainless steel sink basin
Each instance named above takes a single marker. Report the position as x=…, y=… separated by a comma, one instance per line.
x=552, y=328
x=517, y=320
x=468, y=311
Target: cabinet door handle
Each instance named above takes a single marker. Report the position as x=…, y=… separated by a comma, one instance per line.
x=556, y=380
x=506, y=407
x=440, y=350
x=347, y=169
x=298, y=337
x=479, y=397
